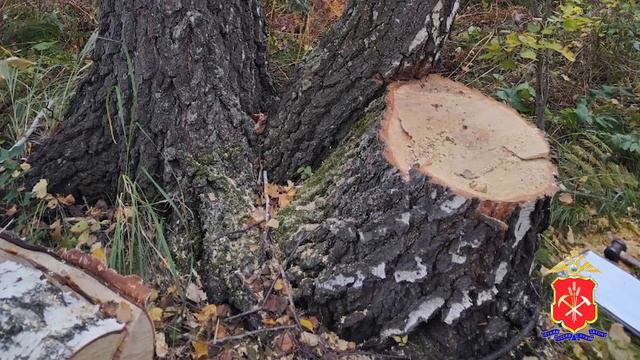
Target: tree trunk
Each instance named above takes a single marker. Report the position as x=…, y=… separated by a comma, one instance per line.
x=170, y=94
x=373, y=43
x=429, y=220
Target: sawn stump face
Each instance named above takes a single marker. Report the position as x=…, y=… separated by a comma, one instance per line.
x=390, y=248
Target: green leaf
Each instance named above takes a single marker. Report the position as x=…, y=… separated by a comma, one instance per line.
x=567, y=53
x=533, y=27
x=528, y=53
x=45, y=45
x=583, y=113
x=508, y=64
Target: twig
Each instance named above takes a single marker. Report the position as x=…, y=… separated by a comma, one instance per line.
x=254, y=332
x=542, y=66
x=265, y=242
x=34, y=125
x=245, y=313
x=240, y=231
x=6, y=226
x=265, y=182
x=371, y=354
x=288, y=287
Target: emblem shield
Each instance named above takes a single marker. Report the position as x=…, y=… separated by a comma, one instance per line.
x=574, y=305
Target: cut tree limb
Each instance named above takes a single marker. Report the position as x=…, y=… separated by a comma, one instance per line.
x=399, y=240
x=52, y=310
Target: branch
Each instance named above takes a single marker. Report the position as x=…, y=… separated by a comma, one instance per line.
x=251, y=333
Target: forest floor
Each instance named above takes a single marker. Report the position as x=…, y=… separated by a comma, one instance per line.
x=592, y=121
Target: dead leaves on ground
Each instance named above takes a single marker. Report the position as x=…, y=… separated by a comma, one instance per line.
x=205, y=328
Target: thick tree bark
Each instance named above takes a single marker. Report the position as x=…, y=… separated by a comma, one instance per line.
x=180, y=80
x=391, y=251
x=379, y=253
x=189, y=73
x=374, y=42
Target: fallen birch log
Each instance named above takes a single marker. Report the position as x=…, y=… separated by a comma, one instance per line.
x=69, y=306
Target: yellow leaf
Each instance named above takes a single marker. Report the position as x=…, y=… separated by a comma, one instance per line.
x=98, y=253
x=269, y=322
x=401, y=340
x=201, y=349
x=273, y=190
x=18, y=63
x=273, y=223
x=278, y=285
x=155, y=313
x=40, y=189
x=307, y=324
x=25, y=166
x=208, y=312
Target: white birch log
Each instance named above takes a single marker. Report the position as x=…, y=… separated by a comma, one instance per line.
x=52, y=309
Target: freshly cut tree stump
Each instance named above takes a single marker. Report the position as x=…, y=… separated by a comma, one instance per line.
x=69, y=307
x=426, y=221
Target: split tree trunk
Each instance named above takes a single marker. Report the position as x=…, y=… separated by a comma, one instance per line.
x=392, y=250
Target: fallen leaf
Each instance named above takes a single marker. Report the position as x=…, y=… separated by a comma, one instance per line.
x=307, y=324
x=25, y=166
x=80, y=227
x=208, y=312
x=276, y=304
x=261, y=122
x=155, y=313
x=18, y=63
x=401, y=340
x=565, y=199
x=269, y=322
x=161, y=345
x=279, y=285
x=124, y=314
x=40, y=189
x=221, y=331
x=11, y=211
x=83, y=239
x=226, y=354
x=273, y=223
x=224, y=310
x=309, y=339
x=273, y=190
x=200, y=349
x=284, y=342
x=98, y=252
x=52, y=203
x=257, y=216
x=67, y=200
x=56, y=230
x=195, y=293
